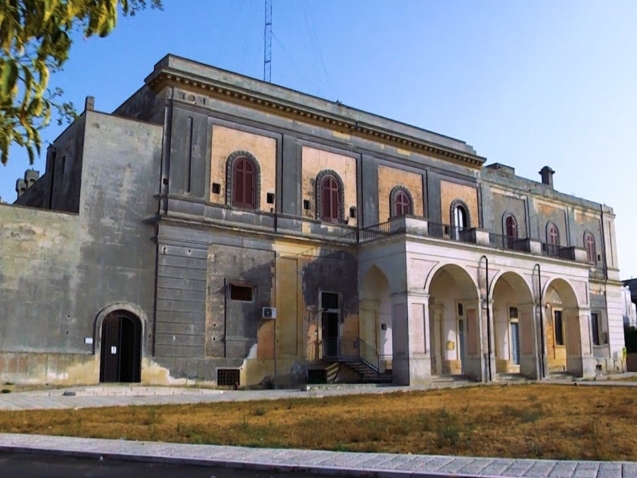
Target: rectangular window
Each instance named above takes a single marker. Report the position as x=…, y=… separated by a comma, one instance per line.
x=513, y=312
x=596, y=327
x=559, y=327
x=240, y=293
x=329, y=300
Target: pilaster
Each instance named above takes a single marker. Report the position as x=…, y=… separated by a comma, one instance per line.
x=411, y=363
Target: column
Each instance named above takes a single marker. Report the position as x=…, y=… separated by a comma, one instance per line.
x=487, y=344
x=411, y=349
x=529, y=344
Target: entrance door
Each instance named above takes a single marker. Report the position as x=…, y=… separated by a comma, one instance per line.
x=121, y=348
x=330, y=334
x=515, y=343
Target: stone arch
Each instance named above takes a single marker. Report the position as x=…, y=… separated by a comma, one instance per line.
x=564, y=338
x=458, y=269
x=375, y=312
x=114, y=307
x=455, y=330
x=319, y=193
x=230, y=176
x=514, y=332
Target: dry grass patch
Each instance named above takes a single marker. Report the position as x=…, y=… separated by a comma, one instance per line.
x=522, y=421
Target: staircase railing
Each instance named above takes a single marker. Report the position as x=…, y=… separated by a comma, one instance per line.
x=368, y=355
x=352, y=348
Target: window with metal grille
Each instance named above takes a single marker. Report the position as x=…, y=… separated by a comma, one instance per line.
x=228, y=377
x=402, y=204
x=243, y=183
x=330, y=195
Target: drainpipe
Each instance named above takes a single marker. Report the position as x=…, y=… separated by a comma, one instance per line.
x=539, y=288
x=486, y=259
x=605, y=264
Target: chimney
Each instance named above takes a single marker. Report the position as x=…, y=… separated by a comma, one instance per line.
x=20, y=187
x=89, y=103
x=30, y=177
x=547, y=176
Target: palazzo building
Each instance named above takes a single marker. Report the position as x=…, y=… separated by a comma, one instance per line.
x=215, y=228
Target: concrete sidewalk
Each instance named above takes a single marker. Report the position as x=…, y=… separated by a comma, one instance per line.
x=382, y=465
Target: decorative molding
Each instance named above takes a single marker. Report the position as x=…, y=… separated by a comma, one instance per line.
x=230, y=176
x=308, y=115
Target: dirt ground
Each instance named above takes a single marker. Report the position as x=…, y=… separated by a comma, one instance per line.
x=517, y=421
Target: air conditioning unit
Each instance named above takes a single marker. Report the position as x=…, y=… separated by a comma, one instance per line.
x=268, y=313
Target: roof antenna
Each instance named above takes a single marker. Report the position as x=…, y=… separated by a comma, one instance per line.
x=267, y=43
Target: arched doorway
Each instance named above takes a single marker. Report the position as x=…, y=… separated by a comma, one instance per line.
x=454, y=323
x=562, y=333
x=514, y=335
x=375, y=326
x=120, y=357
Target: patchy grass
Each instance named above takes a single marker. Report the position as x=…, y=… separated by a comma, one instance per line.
x=522, y=421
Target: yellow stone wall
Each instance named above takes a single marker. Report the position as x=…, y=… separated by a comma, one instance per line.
x=388, y=178
x=226, y=141
x=451, y=191
x=314, y=161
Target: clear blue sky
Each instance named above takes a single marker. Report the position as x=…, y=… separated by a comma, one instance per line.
x=528, y=84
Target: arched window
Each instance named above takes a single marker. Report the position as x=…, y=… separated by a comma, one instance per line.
x=591, y=250
x=243, y=174
x=400, y=202
x=459, y=219
x=242, y=180
x=510, y=231
x=330, y=196
x=552, y=239
x=511, y=227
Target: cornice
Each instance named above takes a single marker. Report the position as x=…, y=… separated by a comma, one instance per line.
x=305, y=114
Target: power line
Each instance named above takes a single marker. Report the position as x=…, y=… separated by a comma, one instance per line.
x=267, y=43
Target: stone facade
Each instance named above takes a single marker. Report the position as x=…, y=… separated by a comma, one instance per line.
x=219, y=229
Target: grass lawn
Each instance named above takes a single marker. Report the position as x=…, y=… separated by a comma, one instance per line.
x=519, y=421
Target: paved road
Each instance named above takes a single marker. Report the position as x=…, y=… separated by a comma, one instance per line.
x=32, y=466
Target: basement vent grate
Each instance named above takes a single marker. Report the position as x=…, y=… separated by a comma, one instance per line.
x=228, y=377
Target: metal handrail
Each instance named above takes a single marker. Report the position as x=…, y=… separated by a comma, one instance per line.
x=368, y=354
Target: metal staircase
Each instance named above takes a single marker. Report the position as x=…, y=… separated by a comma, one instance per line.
x=356, y=355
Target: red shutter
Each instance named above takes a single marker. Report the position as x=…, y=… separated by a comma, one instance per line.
x=237, y=184
x=336, y=206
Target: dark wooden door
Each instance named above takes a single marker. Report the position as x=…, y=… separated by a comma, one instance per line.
x=121, y=349
x=330, y=334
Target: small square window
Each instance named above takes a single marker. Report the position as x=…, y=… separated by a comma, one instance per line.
x=513, y=312
x=306, y=204
x=241, y=293
x=270, y=198
x=216, y=188
x=329, y=300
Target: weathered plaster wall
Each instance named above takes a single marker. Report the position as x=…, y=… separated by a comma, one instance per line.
x=504, y=204
x=226, y=141
x=388, y=178
x=57, y=271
